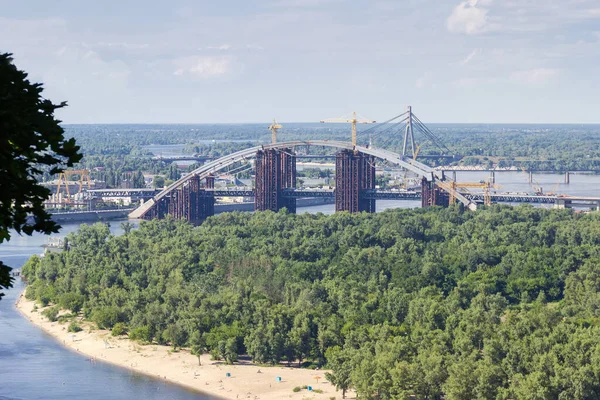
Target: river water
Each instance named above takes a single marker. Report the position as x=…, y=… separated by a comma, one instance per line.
x=35, y=366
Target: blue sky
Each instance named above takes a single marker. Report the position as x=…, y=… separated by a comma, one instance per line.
x=187, y=61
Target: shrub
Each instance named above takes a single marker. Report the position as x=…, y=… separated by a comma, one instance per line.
x=30, y=292
x=119, y=329
x=296, y=389
x=141, y=333
x=74, y=327
x=106, y=317
x=51, y=313
x=71, y=301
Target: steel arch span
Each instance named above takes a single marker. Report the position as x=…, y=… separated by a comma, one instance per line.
x=418, y=168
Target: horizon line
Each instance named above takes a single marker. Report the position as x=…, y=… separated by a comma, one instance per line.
x=317, y=122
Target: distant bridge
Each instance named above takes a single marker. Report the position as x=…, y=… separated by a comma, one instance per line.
x=193, y=196
x=136, y=193
x=382, y=194
x=276, y=175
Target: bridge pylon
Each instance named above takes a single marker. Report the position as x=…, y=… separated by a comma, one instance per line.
x=275, y=171
x=354, y=173
x=433, y=195
x=191, y=202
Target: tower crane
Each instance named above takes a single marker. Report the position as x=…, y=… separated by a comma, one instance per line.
x=354, y=120
x=274, y=128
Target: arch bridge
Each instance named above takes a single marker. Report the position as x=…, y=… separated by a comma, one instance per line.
x=192, y=197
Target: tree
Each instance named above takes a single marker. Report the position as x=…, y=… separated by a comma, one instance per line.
x=138, y=180
x=174, y=335
x=198, y=343
x=159, y=182
x=32, y=143
x=231, y=350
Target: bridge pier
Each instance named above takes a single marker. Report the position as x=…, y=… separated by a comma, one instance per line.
x=354, y=173
x=191, y=202
x=275, y=171
x=432, y=195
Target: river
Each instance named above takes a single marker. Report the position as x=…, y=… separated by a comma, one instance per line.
x=35, y=366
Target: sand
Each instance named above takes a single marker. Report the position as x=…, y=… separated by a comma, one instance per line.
x=182, y=368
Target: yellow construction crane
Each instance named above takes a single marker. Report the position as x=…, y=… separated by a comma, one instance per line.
x=354, y=120
x=84, y=177
x=553, y=192
x=274, y=128
x=537, y=188
x=452, y=187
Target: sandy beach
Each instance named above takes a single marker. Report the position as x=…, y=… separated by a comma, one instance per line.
x=246, y=381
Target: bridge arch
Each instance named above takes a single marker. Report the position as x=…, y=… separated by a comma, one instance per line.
x=210, y=167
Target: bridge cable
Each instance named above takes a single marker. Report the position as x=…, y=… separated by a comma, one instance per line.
x=395, y=125
x=435, y=138
x=381, y=124
x=424, y=127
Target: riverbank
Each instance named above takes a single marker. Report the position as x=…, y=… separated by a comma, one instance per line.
x=245, y=381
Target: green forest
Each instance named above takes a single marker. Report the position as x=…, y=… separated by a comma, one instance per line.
x=502, y=303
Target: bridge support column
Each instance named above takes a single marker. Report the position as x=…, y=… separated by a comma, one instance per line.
x=562, y=203
x=191, y=202
x=567, y=178
x=432, y=195
x=275, y=171
x=354, y=173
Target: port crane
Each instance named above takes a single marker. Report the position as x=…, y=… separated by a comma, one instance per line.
x=274, y=128
x=354, y=120
x=63, y=178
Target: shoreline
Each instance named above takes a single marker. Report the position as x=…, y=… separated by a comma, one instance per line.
x=246, y=380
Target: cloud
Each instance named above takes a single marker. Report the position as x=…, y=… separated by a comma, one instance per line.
x=594, y=12
x=254, y=47
x=424, y=81
x=223, y=47
x=123, y=45
x=536, y=76
x=202, y=66
x=468, y=18
x=474, y=81
x=304, y=3
x=470, y=57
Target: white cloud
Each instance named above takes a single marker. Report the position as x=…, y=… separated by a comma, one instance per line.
x=468, y=18
x=124, y=45
x=474, y=81
x=470, y=57
x=222, y=47
x=304, y=3
x=202, y=66
x=594, y=12
x=254, y=47
x=424, y=81
x=536, y=76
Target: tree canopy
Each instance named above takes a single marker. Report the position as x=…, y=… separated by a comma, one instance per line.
x=32, y=142
x=426, y=303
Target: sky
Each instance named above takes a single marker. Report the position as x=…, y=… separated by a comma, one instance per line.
x=235, y=61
